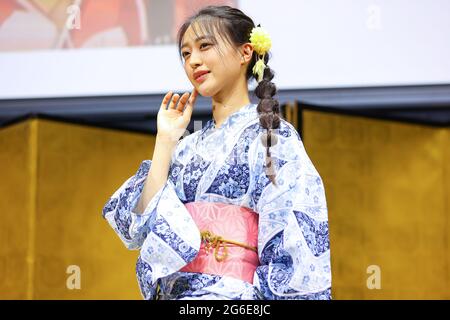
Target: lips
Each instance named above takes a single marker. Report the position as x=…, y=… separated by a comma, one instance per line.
x=199, y=74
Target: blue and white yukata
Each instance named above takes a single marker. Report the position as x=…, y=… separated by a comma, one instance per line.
x=227, y=165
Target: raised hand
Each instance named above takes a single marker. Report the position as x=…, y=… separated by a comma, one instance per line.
x=173, y=118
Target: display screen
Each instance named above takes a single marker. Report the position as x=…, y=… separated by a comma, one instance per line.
x=70, y=48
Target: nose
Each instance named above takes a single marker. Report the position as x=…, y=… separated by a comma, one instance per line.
x=195, y=60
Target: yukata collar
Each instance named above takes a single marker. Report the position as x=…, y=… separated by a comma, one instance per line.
x=243, y=112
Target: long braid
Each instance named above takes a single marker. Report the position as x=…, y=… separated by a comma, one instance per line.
x=269, y=115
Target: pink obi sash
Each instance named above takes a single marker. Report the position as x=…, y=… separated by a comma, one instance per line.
x=229, y=240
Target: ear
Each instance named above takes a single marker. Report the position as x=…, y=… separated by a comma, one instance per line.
x=246, y=51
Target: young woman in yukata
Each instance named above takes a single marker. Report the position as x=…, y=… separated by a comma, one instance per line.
x=235, y=210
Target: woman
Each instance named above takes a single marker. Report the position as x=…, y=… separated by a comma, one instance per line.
x=235, y=210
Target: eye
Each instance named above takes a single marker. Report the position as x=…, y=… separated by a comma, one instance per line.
x=185, y=53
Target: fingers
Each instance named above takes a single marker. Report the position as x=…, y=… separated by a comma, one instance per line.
x=183, y=100
x=193, y=97
x=190, y=104
x=166, y=100
x=174, y=101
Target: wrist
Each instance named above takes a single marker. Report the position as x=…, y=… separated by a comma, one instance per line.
x=165, y=140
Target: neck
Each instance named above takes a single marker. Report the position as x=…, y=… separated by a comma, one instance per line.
x=229, y=100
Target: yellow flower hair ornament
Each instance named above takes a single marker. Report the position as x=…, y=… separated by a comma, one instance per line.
x=261, y=43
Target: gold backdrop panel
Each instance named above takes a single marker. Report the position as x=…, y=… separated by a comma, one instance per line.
x=16, y=205
x=58, y=206
x=387, y=191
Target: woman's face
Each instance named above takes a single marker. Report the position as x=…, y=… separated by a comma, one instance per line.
x=202, y=55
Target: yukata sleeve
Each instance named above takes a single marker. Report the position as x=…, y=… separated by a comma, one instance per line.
x=293, y=238
x=165, y=232
x=119, y=209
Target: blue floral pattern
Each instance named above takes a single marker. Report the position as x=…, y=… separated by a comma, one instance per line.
x=162, y=229
x=227, y=164
x=143, y=273
x=233, y=179
x=175, y=169
x=315, y=233
x=263, y=179
x=192, y=175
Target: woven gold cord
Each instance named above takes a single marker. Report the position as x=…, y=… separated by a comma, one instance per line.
x=215, y=241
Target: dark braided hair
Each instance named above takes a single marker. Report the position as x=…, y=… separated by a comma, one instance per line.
x=235, y=27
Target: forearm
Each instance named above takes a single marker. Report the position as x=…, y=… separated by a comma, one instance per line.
x=159, y=170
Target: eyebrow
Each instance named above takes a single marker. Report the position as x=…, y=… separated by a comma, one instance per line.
x=197, y=40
